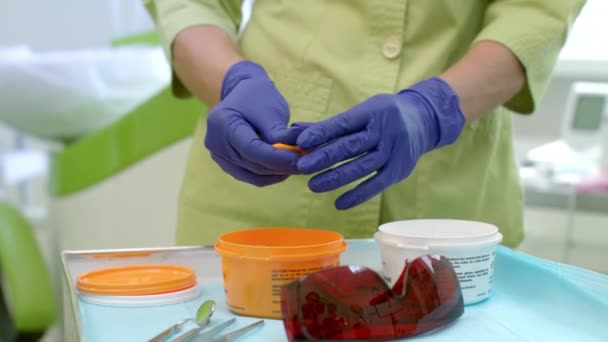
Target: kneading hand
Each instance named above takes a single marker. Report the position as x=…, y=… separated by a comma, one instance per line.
x=385, y=134
x=241, y=129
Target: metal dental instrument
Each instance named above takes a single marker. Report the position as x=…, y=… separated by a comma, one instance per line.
x=202, y=317
x=193, y=334
x=233, y=335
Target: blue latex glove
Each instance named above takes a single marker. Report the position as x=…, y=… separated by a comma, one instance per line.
x=251, y=116
x=386, y=134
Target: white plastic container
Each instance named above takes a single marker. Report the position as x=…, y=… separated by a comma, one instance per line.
x=143, y=300
x=470, y=246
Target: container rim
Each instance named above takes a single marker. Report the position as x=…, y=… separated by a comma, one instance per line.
x=439, y=229
x=336, y=241
x=428, y=245
x=159, y=299
x=276, y=254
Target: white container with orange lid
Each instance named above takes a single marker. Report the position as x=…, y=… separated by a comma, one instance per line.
x=138, y=285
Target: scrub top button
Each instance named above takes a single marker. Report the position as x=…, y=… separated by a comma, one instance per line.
x=392, y=47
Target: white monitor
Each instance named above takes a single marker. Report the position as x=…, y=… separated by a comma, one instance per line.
x=586, y=112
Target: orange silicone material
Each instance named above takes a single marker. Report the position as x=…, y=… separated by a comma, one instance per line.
x=136, y=280
x=256, y=263
x=293, y=148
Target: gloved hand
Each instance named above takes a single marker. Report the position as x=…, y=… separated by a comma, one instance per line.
x=386, y=134
x=251, y=116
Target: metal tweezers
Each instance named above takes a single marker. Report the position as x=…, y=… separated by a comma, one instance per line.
x=192, y=335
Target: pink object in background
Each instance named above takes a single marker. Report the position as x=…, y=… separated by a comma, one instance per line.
x=597, y=183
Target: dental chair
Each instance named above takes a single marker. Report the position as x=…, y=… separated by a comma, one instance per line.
x=27, y=302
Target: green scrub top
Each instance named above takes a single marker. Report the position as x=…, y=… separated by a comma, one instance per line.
x=326, y=56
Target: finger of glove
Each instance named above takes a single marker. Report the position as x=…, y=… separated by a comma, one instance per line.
x=363, y=192
x=268, y=112
x=263, y=170
x=337, y=151
x=342, y=124
x=246, y=176
x=301, y=125
x=220, y=147
x=250, y=147
x=347, y=173
x=287, y=136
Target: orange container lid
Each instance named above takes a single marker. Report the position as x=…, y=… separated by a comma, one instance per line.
x=281, y=242
x=136, y=280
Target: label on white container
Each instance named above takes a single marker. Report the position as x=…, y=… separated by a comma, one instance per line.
x=475, y=274
x=474, y=271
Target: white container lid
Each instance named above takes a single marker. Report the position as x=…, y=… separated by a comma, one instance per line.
x=427, y=233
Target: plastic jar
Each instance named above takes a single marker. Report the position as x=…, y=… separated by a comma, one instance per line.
x=256, y=263
x=138, y=285
x=470, y=246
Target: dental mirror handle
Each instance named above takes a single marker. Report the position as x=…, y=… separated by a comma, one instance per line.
x=169, y=331
x=233, y=335
x=191, y=335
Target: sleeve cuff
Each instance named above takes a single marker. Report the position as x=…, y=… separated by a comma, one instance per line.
x=530, y=49
x=181, y=15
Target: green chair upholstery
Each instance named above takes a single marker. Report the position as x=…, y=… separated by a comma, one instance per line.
x=27, y=303
x=154, y=125
x=149, y=38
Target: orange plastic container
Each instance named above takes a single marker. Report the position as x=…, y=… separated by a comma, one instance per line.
x=256, y=263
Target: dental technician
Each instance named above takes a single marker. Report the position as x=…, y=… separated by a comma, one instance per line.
x=404, y=107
